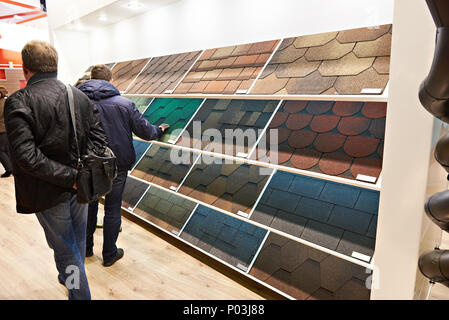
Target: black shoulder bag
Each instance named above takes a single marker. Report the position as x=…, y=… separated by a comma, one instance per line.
x=95, y=172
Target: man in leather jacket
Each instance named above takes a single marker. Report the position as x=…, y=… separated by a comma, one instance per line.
x=44, y=157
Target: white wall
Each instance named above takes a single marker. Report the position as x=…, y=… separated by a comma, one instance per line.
x=200, y=24
x=15, y=36
x=190, y=25
x=407, y=153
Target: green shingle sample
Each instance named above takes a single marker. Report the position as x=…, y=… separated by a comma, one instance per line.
x=173, y=111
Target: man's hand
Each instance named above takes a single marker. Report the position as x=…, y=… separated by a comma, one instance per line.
x=74, y=186
x=164, y=127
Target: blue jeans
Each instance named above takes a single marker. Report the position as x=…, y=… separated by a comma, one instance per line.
x=112, y=217
x=65, y=230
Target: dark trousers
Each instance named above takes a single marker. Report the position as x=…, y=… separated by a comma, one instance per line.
x=4, y=152
x=112, y=218
x=65, y=230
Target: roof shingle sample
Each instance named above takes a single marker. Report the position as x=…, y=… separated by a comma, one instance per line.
x=173, y=111
x=230, y=186
x=336, y=138
x=165, y=209
x=305, y=273
x=339, y=217
x=134, y=190
x=140, y=147
x=12, y=79
x=125, y=72
x=344, y=62
x=227, y=70
x=231, y=240
x=141, y=103
x=249, y=116
x=157, y=166
x=163, y=73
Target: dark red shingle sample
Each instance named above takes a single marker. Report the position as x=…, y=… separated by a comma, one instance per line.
x=336, y=138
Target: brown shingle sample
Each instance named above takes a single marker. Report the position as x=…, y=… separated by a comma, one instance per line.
x=230, y=186
x=342, y=62
x=226, y=70
x=163, y=73
x=13, y=80
x=336, y=138
x=165, y=209
x=124, y=73
x=306, y=273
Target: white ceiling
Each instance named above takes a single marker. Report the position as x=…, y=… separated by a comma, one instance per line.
x=10, y=9
x=115, y=12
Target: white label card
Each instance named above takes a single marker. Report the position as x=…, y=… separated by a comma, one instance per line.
x=243, y=214
x=362, y=177
x=175, y=232
x=241, y=91
x=371, y=91
x=173, y=188
x=168, y=91
x=360, y=256
x=242, y=267
x=242, y=155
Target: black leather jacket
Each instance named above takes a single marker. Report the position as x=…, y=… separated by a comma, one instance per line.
x=42, y=143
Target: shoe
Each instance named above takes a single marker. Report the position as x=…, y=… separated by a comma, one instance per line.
x=6, y=174
x=89, y=253
x=118, y=256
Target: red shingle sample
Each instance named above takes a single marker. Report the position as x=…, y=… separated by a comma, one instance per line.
x=336, y=138
x=226, y=70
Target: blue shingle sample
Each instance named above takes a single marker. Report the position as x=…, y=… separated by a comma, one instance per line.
x=333, y=215
x=225, y=237
x=140, y=147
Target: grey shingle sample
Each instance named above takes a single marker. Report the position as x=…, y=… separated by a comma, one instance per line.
x=227, y=238
x=134, y=190
x=165, y=209
x=306, y=273
x=336, y=216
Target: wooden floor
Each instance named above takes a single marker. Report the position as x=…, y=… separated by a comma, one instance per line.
x=438, y=291
x=152, y=267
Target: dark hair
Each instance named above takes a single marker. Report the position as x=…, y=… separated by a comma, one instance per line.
x=40, y=56
x=101, y=72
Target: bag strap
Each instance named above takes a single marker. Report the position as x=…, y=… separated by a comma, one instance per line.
x=72, y=115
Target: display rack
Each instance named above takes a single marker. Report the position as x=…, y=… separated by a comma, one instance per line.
x=312, y=230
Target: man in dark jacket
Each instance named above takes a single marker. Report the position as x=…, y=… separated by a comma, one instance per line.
x=120, y=118
x=44, y=158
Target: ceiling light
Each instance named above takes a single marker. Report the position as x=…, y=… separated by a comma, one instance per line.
x=103, y=17
x=134, y=5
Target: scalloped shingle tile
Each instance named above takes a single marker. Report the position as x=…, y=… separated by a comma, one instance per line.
x=134, y=190
x=336, y=138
